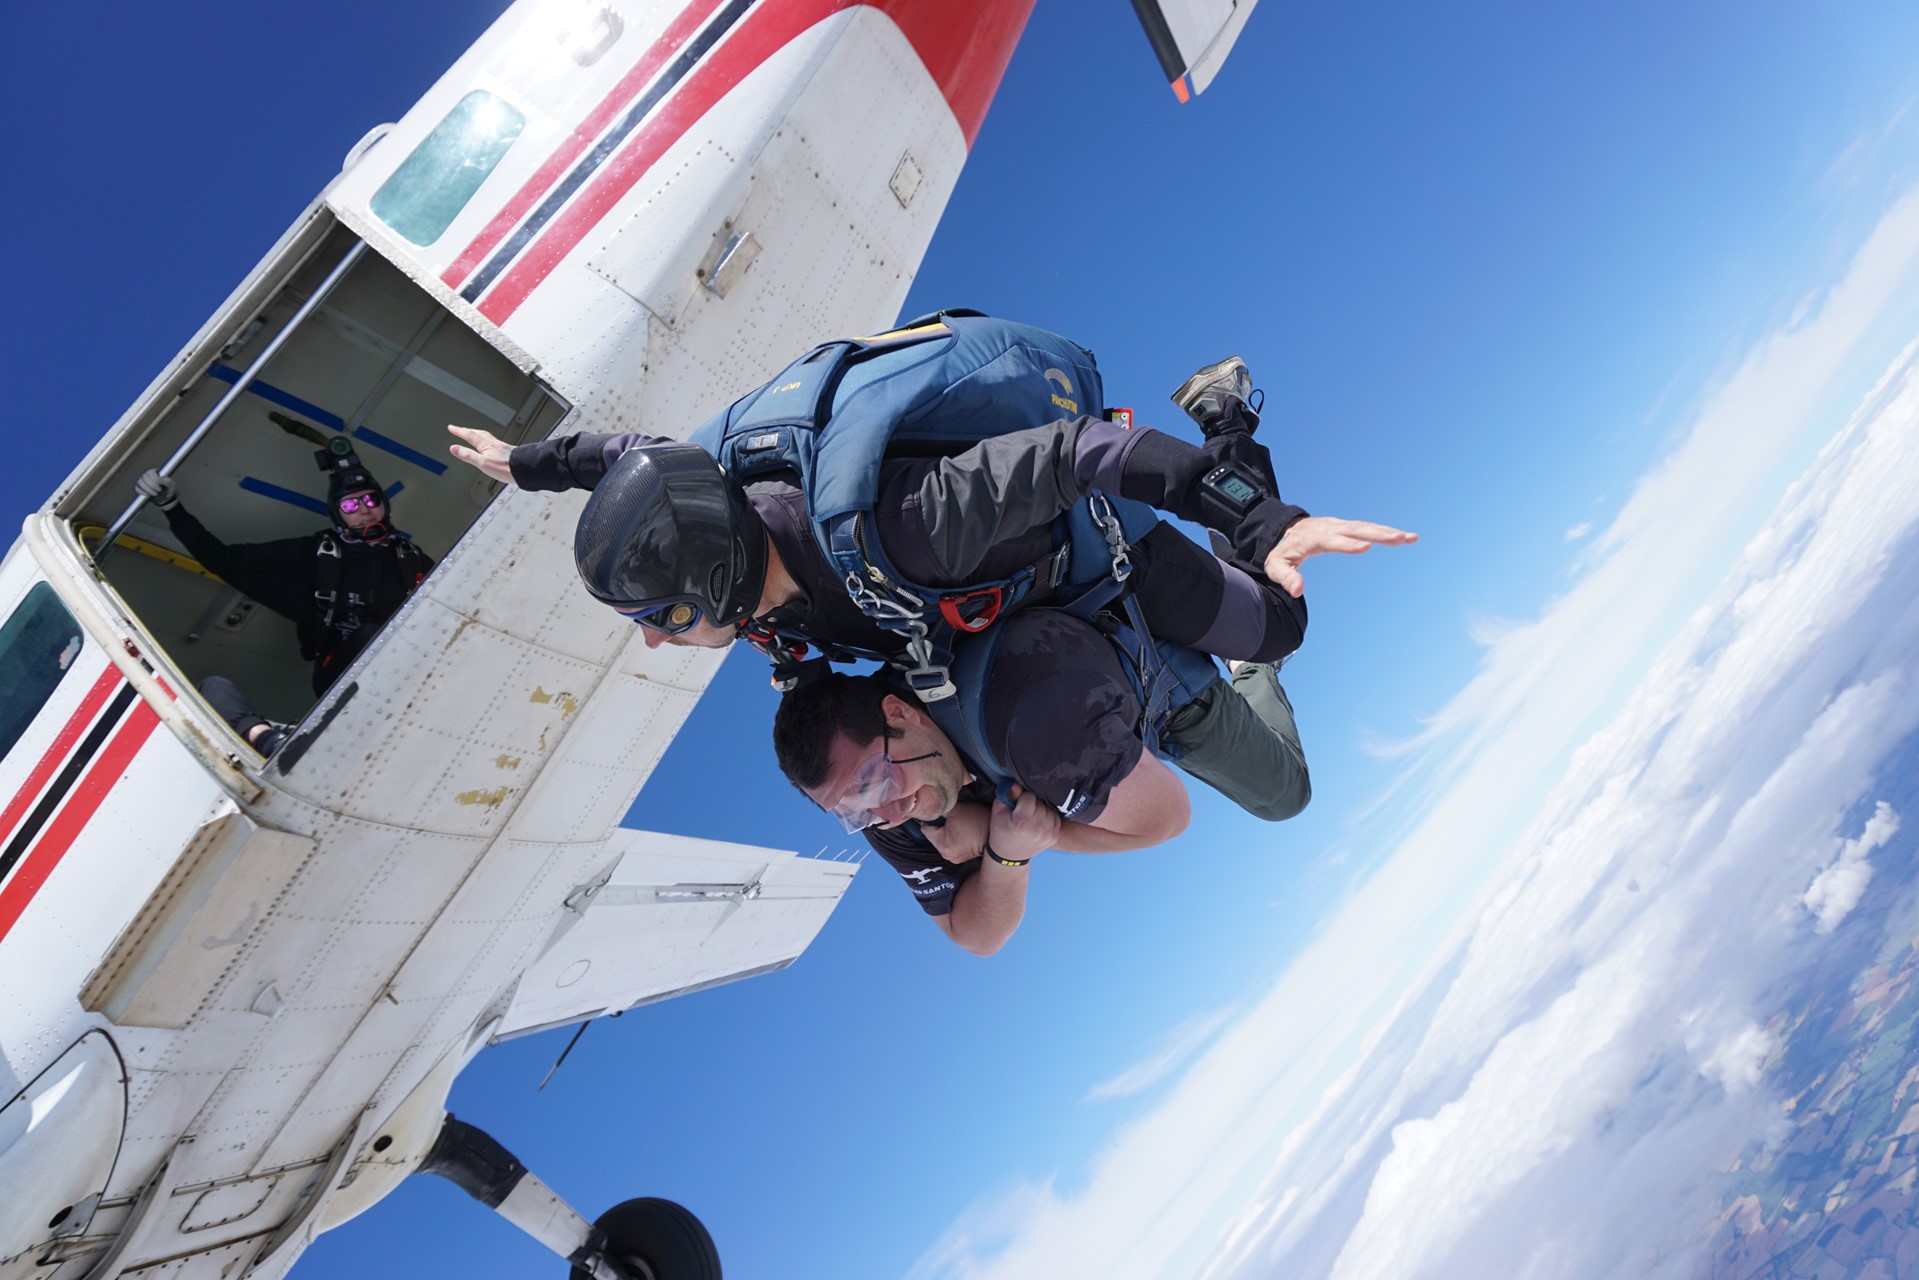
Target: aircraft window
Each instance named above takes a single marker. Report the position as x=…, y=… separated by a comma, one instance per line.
x=37, y=647
x=433, y=184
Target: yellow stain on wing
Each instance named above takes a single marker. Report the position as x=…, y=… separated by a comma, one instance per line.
x=487, y=798
x=507, y=762
x=568, y=703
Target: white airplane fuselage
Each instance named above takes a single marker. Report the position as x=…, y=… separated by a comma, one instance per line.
x=235, y=992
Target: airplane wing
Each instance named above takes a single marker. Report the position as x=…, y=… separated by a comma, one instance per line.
x=1192, y=37
x=674, y=915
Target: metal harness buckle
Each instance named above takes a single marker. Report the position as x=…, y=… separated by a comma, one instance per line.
x=1115, y=535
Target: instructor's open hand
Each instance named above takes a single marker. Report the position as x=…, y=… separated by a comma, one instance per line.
x=1317, y=535
x=483, y=450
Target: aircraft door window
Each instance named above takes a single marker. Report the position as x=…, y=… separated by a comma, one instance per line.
x=431, y=186
x=37, y=647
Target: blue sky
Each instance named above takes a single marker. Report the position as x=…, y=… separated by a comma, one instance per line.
x=1575, y=291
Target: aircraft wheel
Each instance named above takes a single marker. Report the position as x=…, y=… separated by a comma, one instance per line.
x=666, y=1237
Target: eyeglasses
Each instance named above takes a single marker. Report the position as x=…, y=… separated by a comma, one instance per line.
x=878, y=783
x=349, y=505
x=668, y=619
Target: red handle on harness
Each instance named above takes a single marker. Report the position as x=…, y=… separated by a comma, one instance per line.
x=989, y=602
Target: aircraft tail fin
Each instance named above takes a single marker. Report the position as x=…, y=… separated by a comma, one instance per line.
x=1192, y=38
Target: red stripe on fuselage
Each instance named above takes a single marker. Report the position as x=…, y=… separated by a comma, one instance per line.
x=617, y=100
x=965, y=51
x=63, y=741
x=760, y=34
x=965, y=48
x=66, y=826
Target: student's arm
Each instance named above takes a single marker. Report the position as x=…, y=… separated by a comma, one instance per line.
x=1148, y=806
x=988, y=908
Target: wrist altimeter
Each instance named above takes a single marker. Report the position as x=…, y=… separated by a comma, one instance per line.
x=1227, y=493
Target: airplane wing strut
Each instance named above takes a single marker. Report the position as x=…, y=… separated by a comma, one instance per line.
x=1192, y=38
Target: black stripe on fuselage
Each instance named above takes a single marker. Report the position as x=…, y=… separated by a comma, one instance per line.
x=56, y=793
x=1164, y=46
x=587, y=164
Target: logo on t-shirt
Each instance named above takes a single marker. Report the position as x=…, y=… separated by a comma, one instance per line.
x=1069, y=807
x=919, y=877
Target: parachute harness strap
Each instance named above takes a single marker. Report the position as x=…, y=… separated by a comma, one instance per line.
x=327, y=578
x=1157, y=680
x=785, y=653
x=903, y=612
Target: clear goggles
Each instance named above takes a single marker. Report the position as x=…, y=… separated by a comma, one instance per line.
x=878, y=784
x=669, y=619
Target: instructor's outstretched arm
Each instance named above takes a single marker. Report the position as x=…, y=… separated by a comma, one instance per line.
x=484, y=451
x=1318, y=535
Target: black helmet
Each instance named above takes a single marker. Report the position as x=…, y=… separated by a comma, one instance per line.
x=346, y=476
x=666, y=524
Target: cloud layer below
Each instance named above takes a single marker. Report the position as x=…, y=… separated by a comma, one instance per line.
x=1601, y=1046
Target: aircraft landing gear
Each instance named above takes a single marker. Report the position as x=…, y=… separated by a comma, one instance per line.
x=656, y=1238
x=645, y=1239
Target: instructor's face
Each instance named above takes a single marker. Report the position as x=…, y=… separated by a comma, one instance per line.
x=701, y=635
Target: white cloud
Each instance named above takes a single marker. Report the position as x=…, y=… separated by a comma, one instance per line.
x=1735, y=1064
x=1173, y=1051
x=1406, y=1081
x=1836, y=890
x=1487, y=630
x=1579, y=531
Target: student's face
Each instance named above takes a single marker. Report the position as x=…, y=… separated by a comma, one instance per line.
x=915, y=775
x=358, y=510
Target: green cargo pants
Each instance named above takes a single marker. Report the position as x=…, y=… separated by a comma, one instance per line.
x=1239, y=738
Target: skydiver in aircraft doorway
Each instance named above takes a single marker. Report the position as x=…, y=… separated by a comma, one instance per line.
x=337, y=586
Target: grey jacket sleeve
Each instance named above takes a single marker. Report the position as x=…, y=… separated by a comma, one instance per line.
x=577, y=461
x=1003, y=487
x=995, y=492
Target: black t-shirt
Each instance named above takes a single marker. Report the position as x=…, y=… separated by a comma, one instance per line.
x=1064, y=720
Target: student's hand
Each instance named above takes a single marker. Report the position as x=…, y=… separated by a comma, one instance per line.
x=157, y=489
x=1029, y=827
x=484, y=451
x=1317, y=535
x=963, y=836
